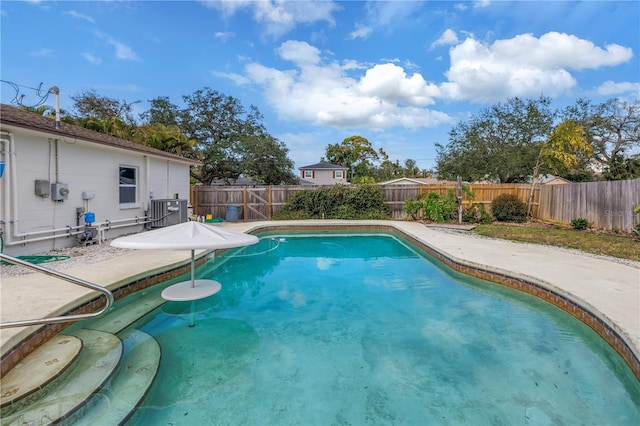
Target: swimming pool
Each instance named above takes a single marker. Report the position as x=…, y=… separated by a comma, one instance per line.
x=362, y=329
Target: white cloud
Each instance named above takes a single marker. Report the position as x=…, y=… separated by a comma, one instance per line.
x=388, y=14
x=361, y=31
x=224, y=36
x=228, y=7
x=560, y=50
x=236, y=78
x=524, y=66
x=305, y=147
x=122, y=51
x=381, y=97
x=481, y=3
x=92, y=59
x=612, y=88
x=389, y=83
x=80, y=16
x=460, y=6
x=448, y=37
x=299, y=52
x=279, y=16
x=42, y=52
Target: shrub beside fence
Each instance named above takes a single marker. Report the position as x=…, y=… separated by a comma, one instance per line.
x=606, y=205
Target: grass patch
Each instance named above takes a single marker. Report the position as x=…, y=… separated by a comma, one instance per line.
x=621, y=246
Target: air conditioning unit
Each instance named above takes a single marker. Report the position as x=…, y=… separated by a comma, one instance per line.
x=167, y=212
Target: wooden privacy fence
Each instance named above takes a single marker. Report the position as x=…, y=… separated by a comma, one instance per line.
x=258, y=203
x=607, y=205
x=396, y=195
x=264, y=202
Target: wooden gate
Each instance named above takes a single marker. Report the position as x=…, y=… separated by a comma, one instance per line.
x=257, y=204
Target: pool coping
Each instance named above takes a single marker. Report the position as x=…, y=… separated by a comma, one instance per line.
x=456, y=251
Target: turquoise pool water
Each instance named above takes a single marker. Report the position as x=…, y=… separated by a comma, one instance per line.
x=355, y=330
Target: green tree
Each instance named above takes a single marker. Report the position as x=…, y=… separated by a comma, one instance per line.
x=561, y=152
x=357, y=154
x=387, y=170
x=162, y=111
x=226, y=136
x=613, y=130
x=110, y=126
x=165, y=138
x=411, y=168
x=501, y=143
x=89, y=104
x=265, y=160
x=621, y=168
x=43, y=110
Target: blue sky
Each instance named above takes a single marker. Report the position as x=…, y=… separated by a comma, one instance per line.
x=398, y=73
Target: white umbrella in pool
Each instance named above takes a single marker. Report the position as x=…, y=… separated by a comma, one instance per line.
x=187, y=236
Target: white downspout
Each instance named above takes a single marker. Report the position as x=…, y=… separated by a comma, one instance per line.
x=147, y=185
x=168, y=180
x=10, y=188
x=7, y=139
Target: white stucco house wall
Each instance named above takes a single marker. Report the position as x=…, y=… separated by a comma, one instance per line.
x=323, y=174
x=55, y=173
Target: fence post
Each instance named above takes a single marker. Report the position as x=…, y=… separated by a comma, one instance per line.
x=244, y=203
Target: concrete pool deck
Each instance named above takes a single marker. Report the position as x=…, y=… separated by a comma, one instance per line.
x=607, y=289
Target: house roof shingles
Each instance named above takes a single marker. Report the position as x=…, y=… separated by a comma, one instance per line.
x=27, y=120
x=324, y=166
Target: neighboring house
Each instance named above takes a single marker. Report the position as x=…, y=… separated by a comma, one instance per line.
x=323, y=174
x=417, y=181
x=552, y=180
x=63, y=185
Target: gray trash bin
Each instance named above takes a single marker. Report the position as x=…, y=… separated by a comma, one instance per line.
x=233, y=213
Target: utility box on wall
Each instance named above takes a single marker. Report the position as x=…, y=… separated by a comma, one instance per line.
x=42, y=188
x=59, y=191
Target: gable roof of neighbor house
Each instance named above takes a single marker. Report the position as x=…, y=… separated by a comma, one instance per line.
x=551, y=179
x=13, y=116
x=324, y=166
x=417, y=181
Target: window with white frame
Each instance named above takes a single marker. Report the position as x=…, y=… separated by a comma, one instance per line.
x=308, y=174
x=128, y=184
x=339, y=174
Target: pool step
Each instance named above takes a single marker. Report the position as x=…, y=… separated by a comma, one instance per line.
x=118, y=319
x=118, y=399
x=41, y=368
x=97, y=361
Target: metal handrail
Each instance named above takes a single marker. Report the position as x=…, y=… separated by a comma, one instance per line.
x=62, y=276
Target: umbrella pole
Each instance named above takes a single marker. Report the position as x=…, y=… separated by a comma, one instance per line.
x=193, y=324
x=193, y=267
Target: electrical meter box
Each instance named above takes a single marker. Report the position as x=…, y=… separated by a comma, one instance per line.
x=59, y=191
